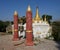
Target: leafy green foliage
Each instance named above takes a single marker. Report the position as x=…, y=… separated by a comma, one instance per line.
x=3, y=25
x=22, y=20
x=48, y=18
x=56, y=30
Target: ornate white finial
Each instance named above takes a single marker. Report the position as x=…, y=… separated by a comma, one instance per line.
x=15, y=13
x=45, y=18
x=29, y=9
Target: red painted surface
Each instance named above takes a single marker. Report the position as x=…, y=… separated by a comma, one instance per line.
x=29, y=35
x=15, y=36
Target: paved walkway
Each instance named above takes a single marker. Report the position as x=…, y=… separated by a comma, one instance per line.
x=6, y=43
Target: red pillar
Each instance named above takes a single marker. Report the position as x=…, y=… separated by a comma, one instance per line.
x=29, y=35
x=15, y=36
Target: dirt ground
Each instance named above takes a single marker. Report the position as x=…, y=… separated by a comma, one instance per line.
x=6, y=43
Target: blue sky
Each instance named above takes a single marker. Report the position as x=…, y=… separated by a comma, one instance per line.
x=50, y=7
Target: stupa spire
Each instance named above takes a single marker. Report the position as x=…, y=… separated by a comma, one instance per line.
x=37, y=17
x=45, y=18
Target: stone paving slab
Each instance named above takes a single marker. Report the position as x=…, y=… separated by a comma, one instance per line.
x=6, y=43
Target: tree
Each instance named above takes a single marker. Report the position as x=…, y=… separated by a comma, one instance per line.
x=56, y=30
x=22, y=20
x=48, y=18
x=3, y=25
